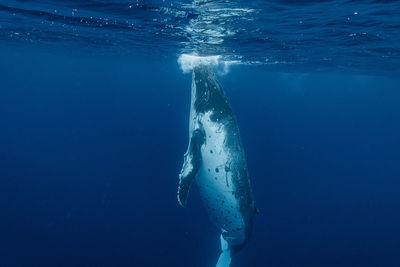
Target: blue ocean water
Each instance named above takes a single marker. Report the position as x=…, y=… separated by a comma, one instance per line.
x=94, y=111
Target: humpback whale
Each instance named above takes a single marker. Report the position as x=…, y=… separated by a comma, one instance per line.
x=215, y=159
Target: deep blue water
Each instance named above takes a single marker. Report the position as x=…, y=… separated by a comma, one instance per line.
x=94, y=118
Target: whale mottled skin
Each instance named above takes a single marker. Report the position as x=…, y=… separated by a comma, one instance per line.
x=215, y=159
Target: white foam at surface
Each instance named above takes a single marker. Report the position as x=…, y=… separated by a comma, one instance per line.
x=188, y=62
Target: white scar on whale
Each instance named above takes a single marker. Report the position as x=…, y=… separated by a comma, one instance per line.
x=215, y=159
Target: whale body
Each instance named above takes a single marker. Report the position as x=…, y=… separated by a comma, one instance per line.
x=215, y=159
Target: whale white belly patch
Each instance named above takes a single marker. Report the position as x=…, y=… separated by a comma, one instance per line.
x=215, y=180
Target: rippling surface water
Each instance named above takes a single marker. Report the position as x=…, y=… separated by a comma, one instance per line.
x=94, y=117
x=355, y=36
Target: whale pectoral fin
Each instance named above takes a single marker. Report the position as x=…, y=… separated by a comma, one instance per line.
x=224, y=259
x=191, y=165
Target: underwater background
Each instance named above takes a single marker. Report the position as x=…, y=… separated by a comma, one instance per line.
x=94, y=110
